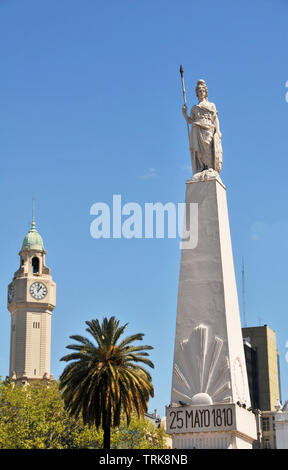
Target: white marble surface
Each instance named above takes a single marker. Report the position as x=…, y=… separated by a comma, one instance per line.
x=209, y=354
x=204, y=135
x=221, y=418
x=209, y=363
x=281, y=429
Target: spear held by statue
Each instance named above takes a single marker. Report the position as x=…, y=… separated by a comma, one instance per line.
x=184, y=98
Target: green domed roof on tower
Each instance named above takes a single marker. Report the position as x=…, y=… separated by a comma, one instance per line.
x=33, y=239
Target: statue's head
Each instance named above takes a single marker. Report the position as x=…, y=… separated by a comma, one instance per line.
x=201, y=90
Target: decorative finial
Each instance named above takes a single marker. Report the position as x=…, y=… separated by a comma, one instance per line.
x=33, y=225
x=278, y=406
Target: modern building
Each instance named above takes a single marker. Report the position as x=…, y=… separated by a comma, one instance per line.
x=31, y=300
x=262, y=361
x=252, y=372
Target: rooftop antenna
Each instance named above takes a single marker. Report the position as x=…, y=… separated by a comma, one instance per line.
x=243, y=294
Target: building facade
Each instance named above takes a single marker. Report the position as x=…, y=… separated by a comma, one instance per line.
x=268, y=435
x=262, y=362
x=281, y=426
x=274, y=427
x=252, y=373
x=31, y=300
x=262, y=366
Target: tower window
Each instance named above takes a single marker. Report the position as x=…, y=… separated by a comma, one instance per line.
x=35, y=265
x=36, y=324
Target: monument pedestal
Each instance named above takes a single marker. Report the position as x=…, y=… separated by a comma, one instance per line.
x=209, y=370
x=210, y=427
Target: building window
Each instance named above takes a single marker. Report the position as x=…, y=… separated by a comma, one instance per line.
x=265, y=424
x=35, y=265
x=36, y=324
x=34, y=371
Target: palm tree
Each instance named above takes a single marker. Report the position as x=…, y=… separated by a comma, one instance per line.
x=104, y=378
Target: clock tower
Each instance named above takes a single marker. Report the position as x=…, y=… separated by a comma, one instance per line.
x=31, y=300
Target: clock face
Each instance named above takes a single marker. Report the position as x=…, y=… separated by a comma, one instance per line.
x=38, y=290
x=11, y=291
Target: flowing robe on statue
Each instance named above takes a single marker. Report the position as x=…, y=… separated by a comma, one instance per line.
x=205, y=143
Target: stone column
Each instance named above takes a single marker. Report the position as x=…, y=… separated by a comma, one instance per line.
x=209, y=371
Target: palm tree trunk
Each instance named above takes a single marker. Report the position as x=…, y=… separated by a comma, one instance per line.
x=106, y=440
x=107, y=429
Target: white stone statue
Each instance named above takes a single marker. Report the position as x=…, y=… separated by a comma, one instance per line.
x=204, y=135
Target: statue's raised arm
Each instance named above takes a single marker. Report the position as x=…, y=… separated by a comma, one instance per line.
x=204, y=135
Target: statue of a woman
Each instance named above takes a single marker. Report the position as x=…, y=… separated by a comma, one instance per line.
x=205, y=135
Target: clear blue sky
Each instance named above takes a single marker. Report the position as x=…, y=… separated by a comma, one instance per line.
x=90, y=102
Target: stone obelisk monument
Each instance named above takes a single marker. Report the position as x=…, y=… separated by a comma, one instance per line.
x=210, y=394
